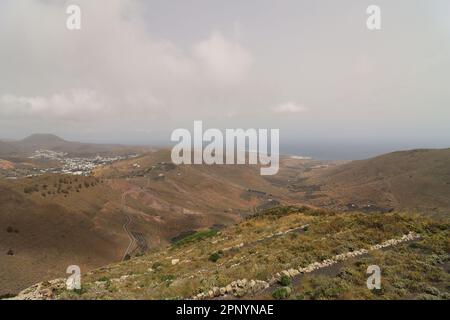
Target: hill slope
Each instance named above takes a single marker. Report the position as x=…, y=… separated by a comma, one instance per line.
x=284, y=252
x=45, y=227
x=142, y=205
x=410, y=180
x=124, y=210
x=6, y=148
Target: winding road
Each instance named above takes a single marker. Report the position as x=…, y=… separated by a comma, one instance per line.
x=137, y=239
x=126, y=227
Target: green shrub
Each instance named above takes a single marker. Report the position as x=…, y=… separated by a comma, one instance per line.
x=200, y=235
x=104, y=279
x=282, y=293
x=214, y=257
x=168, y=277
x=285, y=281
x=329, y=288
x=426, y=296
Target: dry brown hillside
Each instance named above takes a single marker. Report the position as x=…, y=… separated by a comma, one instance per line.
x=143, y=204
x=50, y=222
x=282, y=253
x=416, y=180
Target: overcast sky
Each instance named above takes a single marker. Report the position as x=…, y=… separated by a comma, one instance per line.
x=137, y=70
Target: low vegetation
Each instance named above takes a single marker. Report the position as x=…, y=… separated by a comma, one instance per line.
x=285, y=281
x=210, y=259
x=198, y=236
x=282, y=293
x=56, y=185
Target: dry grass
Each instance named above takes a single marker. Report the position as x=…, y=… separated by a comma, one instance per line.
x=247, y=251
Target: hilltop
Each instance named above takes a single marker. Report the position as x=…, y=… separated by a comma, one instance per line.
x=26, y=146
x=42, y=139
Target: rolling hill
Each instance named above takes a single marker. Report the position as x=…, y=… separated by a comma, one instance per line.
x=123, y=210
x=415, y=180
x=26, y=146
x=222, y=214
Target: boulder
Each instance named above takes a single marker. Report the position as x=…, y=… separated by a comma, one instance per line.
x=239, y=292
x=293, y=272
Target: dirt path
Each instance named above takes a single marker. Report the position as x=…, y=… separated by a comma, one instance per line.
x=126, y=226
x=137, y=239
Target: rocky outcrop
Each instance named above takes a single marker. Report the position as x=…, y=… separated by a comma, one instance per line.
x=41, y=291
x=238, y=288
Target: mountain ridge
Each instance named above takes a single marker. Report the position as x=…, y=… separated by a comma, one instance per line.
x=41, y=138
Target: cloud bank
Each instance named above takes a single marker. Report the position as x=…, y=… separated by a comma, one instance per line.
x=139, y=69
x=112, y=68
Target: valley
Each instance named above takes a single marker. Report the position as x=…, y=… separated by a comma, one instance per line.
x=183, y=230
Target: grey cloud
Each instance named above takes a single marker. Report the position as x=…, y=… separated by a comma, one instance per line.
x=139, y=69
